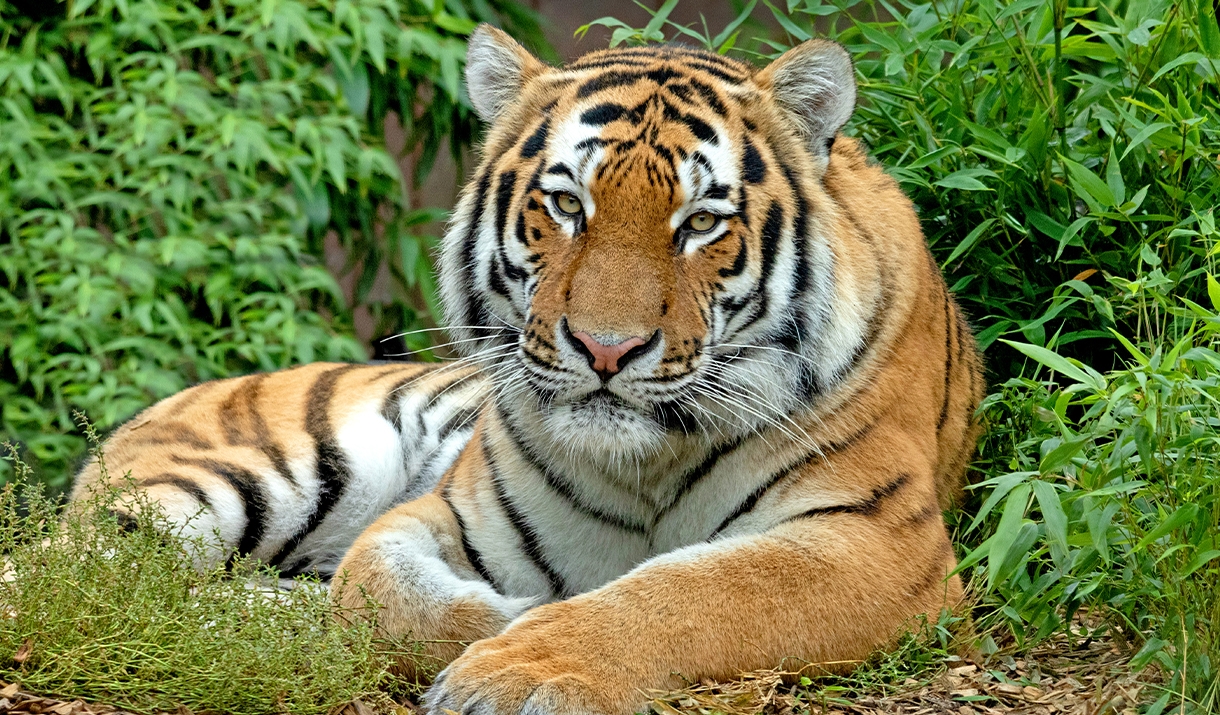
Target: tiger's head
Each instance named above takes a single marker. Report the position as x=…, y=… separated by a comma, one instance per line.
x=647, y=246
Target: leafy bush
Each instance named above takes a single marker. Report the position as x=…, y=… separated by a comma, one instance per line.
x=169, y=171
x=1102, y=493
x=117, y=613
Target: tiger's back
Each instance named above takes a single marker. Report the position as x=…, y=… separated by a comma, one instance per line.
x=290, y=466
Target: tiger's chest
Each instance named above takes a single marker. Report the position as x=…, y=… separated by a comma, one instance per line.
x=547, y=529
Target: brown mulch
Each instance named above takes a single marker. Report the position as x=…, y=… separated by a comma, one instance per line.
x=1056, y=678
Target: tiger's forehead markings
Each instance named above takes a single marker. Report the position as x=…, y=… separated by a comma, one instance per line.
x=670, y=112
x=722, y=68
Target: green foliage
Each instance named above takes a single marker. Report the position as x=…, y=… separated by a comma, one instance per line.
x=1103, y=493
x=118, y=613
x=169, y=171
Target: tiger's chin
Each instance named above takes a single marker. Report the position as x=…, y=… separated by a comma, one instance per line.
x=604, y=428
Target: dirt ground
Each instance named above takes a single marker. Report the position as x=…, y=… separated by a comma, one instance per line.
x=1057, y=678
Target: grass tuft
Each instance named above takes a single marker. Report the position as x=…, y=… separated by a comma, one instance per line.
x=116, y=611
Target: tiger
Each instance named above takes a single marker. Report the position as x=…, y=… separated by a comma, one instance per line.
x=712, y=400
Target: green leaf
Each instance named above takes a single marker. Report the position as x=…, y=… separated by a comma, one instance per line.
x=456, y=25
x=785, y=22
x=1209, y=31
x=1114, y=179
x=1006, y=532
x=962, y=179
x=1060, y=364
x=968, y=242
x=718, y=42
x=1198, y=562
x=1145, y=655
x=1213, y=292
x=1053, y=518
x=1147, y=255
x=1143, y=134
x=1045, y=224
x=1095, y=190
x=1062, y=454
x=1138, y=354
x=653, y=28
x=1071, y=232
x=1001, y=487
x=1179, y=517
x=1184, y=59
x=933, y=157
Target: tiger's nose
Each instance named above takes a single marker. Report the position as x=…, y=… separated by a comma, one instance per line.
x=606, y=360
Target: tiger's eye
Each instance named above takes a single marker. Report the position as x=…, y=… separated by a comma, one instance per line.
x=702, y=222
x=568, y=203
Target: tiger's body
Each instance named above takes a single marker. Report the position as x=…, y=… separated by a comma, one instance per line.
x=291, y=466
x=715, y=395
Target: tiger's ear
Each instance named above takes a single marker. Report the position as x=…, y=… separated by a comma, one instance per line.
x=815, y=84
x=497, y=68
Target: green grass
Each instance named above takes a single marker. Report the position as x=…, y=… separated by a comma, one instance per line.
x=118, y=614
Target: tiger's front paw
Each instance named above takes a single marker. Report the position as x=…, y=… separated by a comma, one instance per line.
x=536, y=667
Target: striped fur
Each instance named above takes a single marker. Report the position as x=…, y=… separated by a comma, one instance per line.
x=291, y=466
x=760, y=479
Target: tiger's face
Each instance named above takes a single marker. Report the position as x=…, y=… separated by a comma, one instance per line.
x=642, y=249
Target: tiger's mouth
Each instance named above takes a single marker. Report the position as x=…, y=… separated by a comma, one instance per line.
x=582, y=390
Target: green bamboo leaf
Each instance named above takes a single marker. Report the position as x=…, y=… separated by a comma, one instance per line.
x=933, y=157
x=968, y=242
x=374, y=37
x=1075, y=228
x=1058, y=363
x=1179, y=517
x=1209, y=31
x=1213, y=292
x=730, y=30
x=962, y=179
x=1094, y=189
x=652, y=31
x=785, y=22
x=1054, y=519
x=1114, y=178
x=1184, y=59
x=1198, y=562
x=1144, y=134
x=979, y=553
x=1062, y=454
x=1011, y=521
x=1138, y=354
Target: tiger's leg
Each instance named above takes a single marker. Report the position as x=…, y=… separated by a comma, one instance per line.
x=825, y=589
x=412, y=564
